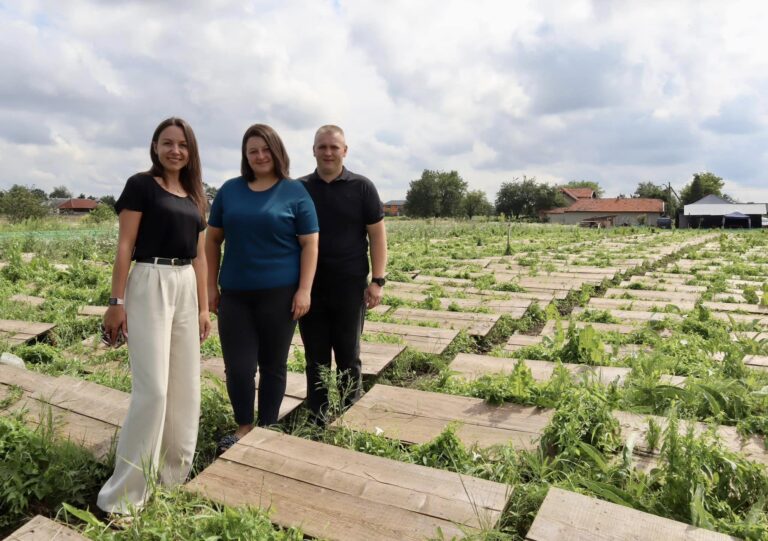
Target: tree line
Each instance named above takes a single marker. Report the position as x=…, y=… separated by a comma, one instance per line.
x=20, y=203
x=440, y=194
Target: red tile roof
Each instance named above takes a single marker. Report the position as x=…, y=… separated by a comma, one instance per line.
x=70, y=204
x=579, y=193
x=635, y=204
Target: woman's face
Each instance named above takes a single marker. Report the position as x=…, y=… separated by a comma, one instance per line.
x=259, y=156
x=171, y=149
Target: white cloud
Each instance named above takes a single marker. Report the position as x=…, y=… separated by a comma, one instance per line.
x=618, y=92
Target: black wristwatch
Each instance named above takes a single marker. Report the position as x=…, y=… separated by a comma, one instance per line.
x=379, y=281
x=114, y=301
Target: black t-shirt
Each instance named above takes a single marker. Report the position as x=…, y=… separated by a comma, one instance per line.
x=170, y=224
x=344, y=208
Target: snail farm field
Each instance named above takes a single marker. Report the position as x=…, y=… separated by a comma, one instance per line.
x=525, y=382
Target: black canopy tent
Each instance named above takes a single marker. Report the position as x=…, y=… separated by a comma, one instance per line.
x=737, y=219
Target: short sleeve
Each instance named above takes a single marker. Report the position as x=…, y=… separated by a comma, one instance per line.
x=215, y=216
x=134, y=196
x=306, y=216
x=373, y=210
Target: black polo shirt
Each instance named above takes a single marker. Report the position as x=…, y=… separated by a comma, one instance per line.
x=344, y=208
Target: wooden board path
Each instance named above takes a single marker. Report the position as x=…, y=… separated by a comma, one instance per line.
x=27, y=299
x=420, y=416
x=566, y=515
x=424, y=339
x=18, y=332
x=758, y=362
x=620, y=328
x=651, y=295
x=476, y=324
x=339, y=494
x=374, y=356
x=44, y=529
x=600, y=303
x=86, y=413
x=295, y=390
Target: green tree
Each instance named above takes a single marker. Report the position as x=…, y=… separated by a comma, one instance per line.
x=649, y=190
x=591, y=184
x=476, y=204
x=102, y=213
x=108, y=200
x=703, y=184
x=20, y=203
x=527, y=198
x=435, y=194
x=210, y=191
x=60, y=192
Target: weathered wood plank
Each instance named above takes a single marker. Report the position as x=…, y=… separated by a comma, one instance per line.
x=27, y=299
x=637, y=305
x=18, y=332
x=336, y=493
x=566, y=515
x=44, y=529
x=758, y=362
x=471, y=367
x=645, y=294
x=732, y=307
x=424, y=339
x=419, y=416
x=374, y=356
x=476, y=324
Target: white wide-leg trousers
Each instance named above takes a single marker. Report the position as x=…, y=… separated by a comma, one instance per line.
x=159, y=435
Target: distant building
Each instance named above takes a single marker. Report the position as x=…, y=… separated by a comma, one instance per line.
x=76, y=206
x=394, y=207
x=606, y=212
x=575, y=194
x=714, y=211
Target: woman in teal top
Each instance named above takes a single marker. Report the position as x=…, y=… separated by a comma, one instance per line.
x=269, y=227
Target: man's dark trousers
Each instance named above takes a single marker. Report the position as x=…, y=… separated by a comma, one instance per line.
x=334, y=323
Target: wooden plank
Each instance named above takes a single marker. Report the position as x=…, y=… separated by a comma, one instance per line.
x=568, y=515
x=92, y=311
x=471, y=367
x=18, y=332
x=758, y=362
x=476, y=324
x=732, y=307
x=374, y=356
x=419, y=416
x=620, y=328
x=519, y=341
x=27, y=299
x=44, y=529
x=645, y=294
x=636, y=316
x=510, y=307
x=337, y=493
x=660, y=286
x=87, y=398
x=600, y=303
x=295, y=390
x=424, y=339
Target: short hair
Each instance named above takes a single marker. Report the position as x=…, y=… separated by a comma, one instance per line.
x=332, y=128
x=276, y=148
x=190, y=177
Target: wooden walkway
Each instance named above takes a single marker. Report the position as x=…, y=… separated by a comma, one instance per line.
x=339, y=494
x=86, y=413
x=601, y=303
x=476, y=324
x=18, y=332
x=419, y=416
x=758, y=362
x=44, y=529
x=566, y=515
x=375, y=356
x=295, y=389
x=424, y=339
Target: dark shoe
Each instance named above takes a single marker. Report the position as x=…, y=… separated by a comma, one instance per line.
x=226, y=442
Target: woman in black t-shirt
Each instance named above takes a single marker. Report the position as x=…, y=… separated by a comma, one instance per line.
x=161, y=308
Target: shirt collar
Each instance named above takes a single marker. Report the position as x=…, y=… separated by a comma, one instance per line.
x=345, y=175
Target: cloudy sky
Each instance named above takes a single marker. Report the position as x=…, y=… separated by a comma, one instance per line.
x=613, y=91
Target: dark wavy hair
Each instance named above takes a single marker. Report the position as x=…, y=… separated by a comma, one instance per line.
x=191, y=176
x=276, y=148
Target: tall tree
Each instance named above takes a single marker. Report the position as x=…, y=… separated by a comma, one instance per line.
x=435, y=194
x=527, y=198
x=60, y=192
x=476, y=204
x=703, y=184
x=108, y=200
x=591, y=184
x=20, y=203
x=649, y=190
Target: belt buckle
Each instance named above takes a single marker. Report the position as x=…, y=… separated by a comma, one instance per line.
x=173, y=261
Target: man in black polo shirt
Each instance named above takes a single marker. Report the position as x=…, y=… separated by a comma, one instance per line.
x=350, y=214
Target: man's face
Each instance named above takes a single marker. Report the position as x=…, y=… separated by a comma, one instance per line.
x=329, y=150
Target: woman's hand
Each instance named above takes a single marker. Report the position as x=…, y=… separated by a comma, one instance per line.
x=213, y=300
x=115, y=322
x=204, y=320
x=301, y=302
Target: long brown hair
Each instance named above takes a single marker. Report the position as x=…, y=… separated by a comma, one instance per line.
x=276, y=148
x=191, y=176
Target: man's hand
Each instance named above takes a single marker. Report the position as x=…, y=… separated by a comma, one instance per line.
x=373, y=295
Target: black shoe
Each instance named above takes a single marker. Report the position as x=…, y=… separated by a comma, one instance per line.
x=226, y=442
